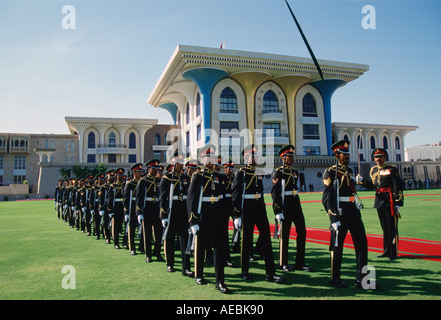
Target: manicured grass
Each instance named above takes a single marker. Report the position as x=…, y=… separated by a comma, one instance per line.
x=36, y=246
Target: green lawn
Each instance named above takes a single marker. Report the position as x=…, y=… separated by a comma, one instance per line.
x=35, y=246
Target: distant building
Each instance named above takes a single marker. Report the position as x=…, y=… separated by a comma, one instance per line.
x=21, y=156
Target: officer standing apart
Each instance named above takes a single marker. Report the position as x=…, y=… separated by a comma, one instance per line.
x=249, y=211
x=339, y=202
x=288, y=210
x=386, y=181
x=173, y=213
x=147, y=210
x=207, y=217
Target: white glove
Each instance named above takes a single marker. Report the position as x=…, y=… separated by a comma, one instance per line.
x=280, y=217
x=84, y=209
x=92, y=211
x=126, y=217
x=102, y=213
x=358, y=179
x=111, y=215
x=194, y=229
x=238, y=223
x=165, y=222
x=397, y=209
x=336, y=225
x=140, y=218
x=72, y=208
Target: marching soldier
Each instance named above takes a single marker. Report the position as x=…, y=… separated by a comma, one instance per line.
x=249, y=211
x=147, y=210
x=173, y=213
x=102, y=205
x=58, y=198
x=115, y=206
x=228, y=177
x=72, y=202
x=386, y=181
x=94, y=204
x=130, y=205
x=339, y=202
x=208, y=218
x=288, y=210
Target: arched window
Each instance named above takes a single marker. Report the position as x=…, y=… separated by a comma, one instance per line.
x=187, y=114
x=91, y=140
x=385, y=144
x=397, y=143
x=157, y=140
x=359, y=142
x=346, y=137
x=228, y=101
x=309, y=107
x=132, y=141
x=198, y=105
x=372, y=142
x=270, y=103
x=112, y=139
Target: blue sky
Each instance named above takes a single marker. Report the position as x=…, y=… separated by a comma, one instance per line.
x=109, y=64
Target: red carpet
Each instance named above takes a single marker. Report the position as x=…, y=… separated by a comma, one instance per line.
x=407, y=247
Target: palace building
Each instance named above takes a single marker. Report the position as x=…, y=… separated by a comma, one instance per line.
x=229, y=98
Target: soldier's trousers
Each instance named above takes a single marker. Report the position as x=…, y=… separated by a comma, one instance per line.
x=152, y=227
x=176, y=229
x=212, y=234
x=389, y=224
x=350, y=222
x=255, y=215
x=299, y=221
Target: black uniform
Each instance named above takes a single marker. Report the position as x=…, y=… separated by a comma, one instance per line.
x=349, y=218
x=177, y=216
x=130, y=211
x=288, y=202
x=252, y=214
x=147, y=205
x=207, y=212
x=116, y=210
x=388, y=187
x=103, y=211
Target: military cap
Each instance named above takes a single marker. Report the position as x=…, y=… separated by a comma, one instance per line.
x=110, y=172
x=208, y=150
x=161, y=168
x=136, y=167
x=287, y=150
x=90, y=177
x=120, y=171
x=341, y=146
x=191, y=164
x=153, y=163
x=100, y=176
x=178, y=158
x=379, y=152
x=229, y=164
x=251, y=149
x=169, y=167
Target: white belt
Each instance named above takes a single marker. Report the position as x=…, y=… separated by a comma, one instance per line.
x=228, y=195
x=346, y=199
x=252, y=196
x=291, y=193
x=134, y=198
x=212, y=199
x=119, y=200
x=150, y=199
x=179, y=197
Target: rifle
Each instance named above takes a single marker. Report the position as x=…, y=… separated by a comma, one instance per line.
x=337, y=192
x=170, y=205
x=192, y=237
